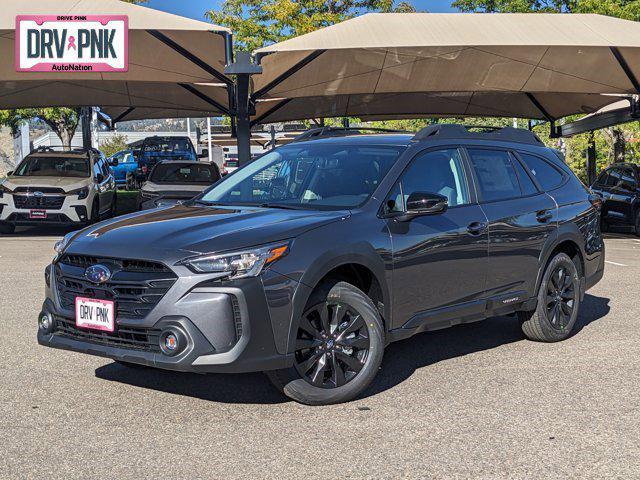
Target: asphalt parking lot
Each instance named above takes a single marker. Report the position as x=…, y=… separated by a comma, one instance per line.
x=475, y=401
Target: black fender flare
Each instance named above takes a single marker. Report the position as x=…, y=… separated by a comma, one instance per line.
x=362, y=254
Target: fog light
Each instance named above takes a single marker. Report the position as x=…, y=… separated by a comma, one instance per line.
x=172, y=341
x=45, y=322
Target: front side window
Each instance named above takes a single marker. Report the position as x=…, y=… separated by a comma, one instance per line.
x=312, y=175
x=439, y=172
x=628, y=180
x=53, y=167
x=547, y=176
x=495, y=173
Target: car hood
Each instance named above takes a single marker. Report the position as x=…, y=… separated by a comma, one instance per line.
x=67, y=184
x=171, y=234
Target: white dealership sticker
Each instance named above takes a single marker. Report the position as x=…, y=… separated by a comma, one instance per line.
x=95, y=314
x=63, y=43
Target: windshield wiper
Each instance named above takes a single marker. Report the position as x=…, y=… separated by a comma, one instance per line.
x=207, y=203
x=283, y=206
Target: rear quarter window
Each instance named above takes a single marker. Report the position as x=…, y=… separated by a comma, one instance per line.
x=548, y=176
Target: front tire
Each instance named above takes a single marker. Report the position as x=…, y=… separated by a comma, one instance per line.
x=637, y=225
x=558, y=302
x=339, y=347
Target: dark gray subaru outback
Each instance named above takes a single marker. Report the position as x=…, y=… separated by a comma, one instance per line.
x=308, y=261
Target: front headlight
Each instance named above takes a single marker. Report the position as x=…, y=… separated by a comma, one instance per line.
x=241, y=264
x=61, y=245
x=81, y=192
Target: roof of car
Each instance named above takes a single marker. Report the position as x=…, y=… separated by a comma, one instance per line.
x=362, y=139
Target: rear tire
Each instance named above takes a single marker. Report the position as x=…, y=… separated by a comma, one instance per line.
x=637, y=225
x=339, y=347
x=7, y=228
x=558, y=302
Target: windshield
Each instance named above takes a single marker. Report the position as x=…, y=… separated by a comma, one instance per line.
x=183, y=173
x=53, y=167
x=167, y=144
x=313, y=175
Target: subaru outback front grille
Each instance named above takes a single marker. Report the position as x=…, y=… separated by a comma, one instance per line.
x=135, y=286
x=45, y=202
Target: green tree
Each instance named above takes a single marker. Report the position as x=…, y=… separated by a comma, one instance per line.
x=62, y=121
x=115, y=144
x=629, y=9
x=256, y=23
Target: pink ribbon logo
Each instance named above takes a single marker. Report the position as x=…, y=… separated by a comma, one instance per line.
x=72, y=43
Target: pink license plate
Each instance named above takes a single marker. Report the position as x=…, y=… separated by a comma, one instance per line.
x=95, y=314
x=37, y=214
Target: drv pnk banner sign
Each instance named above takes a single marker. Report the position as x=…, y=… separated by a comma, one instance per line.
x=72, y=43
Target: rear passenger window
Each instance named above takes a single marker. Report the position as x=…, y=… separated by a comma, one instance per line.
x=547, y=176
x=527, y=185
x=497, y=179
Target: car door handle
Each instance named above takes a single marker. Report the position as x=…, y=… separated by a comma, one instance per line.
x=476, y=228
x=544, y=216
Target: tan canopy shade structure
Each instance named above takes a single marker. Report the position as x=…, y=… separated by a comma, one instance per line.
x=388, y=106
x=524, y=65
x=174, y=62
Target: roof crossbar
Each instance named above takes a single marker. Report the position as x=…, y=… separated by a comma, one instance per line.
x=506, y=134
x=324, y=132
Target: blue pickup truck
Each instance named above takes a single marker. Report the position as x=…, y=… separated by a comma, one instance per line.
x=132, y=166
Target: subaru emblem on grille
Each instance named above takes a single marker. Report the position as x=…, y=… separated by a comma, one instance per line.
x=38, y=194
x=97, y=274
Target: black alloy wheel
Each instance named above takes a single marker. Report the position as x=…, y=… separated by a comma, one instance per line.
x=332, y=345
x=560, y=298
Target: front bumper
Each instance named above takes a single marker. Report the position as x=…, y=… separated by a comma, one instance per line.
x=228, y=329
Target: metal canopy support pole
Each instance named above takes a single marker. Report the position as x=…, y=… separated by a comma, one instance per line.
x=591, y=159
x=243, y=68
x=85, y=118
x=209, y=144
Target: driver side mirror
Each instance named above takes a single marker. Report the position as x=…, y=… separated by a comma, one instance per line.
x=113, y=162
x=99, y=178
x=204, y=153
x=424, y=203
x=9, y=173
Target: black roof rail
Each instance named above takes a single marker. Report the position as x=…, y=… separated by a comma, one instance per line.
x=478, y=132
x=323, y=132
x=62, y=149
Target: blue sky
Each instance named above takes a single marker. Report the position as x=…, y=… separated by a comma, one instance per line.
x=196, y=8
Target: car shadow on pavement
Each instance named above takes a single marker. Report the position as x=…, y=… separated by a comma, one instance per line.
x=247, y=388
x=401, y=360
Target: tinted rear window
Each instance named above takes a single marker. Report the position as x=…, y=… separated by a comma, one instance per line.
x=548, y=177
x=178, y=173
x=497, y=179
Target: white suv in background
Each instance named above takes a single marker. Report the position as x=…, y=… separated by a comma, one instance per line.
x=56, y=187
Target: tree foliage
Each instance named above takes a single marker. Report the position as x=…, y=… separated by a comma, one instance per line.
x=628, y=9
x=114, y=144
x=62, y=121
x=256, y=23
